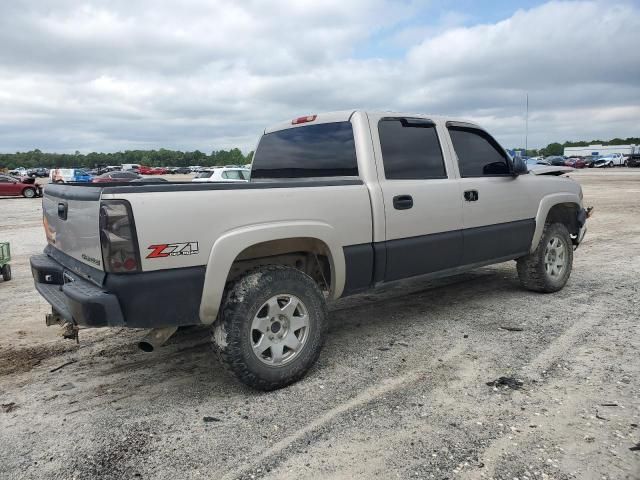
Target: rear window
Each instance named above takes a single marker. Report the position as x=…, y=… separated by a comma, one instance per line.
x=324, y=150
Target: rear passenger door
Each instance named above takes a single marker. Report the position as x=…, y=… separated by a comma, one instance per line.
x=422, y=203
x=498, y=213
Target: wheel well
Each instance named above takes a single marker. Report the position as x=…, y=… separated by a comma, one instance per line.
x=566, y=214
x=309, y=255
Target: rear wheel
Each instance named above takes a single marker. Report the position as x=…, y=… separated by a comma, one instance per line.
x=29, y=192
x=6, y=272
x=271, y=327
x=548, y=268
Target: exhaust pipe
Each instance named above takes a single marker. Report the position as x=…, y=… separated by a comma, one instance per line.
x=156, y=338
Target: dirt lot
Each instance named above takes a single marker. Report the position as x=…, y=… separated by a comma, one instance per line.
x=400, y=390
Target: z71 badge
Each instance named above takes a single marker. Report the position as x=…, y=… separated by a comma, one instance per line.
x=172, y=249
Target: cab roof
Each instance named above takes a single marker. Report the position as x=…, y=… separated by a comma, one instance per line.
x=345, y=116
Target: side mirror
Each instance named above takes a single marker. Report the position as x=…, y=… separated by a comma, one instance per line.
x=519, y=166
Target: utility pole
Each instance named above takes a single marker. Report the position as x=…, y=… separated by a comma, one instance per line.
x=526, y=128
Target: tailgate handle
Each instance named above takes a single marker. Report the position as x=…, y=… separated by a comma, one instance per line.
x=62, y=210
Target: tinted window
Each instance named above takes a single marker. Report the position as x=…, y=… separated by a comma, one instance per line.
x=325, y=150
x=5, y=179
x=478, y=153
x=410, y=149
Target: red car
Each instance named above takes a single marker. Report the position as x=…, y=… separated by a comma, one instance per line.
x=116, y=177
x=576, y=162
x=144, y=170
x=27, y=187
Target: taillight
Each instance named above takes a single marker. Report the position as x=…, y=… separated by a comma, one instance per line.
x=308, y=118
x=120, y=253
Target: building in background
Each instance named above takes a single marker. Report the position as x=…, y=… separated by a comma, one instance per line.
x=599, y=150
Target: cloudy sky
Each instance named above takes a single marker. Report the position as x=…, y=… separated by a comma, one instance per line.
x=108, y=75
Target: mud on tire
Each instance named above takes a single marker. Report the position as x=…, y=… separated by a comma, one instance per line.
x=256, y=314
x=538, y=271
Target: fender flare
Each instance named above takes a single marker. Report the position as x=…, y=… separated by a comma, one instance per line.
x=546, y=204
x=229, y=245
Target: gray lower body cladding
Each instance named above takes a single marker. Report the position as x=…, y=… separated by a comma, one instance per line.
x=163, y=298
x=373, y=263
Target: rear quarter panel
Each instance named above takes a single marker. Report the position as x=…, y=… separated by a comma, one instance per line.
x=204, y=216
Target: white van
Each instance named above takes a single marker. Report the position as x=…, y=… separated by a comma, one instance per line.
x=64, y=175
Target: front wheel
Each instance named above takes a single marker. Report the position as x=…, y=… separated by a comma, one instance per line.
x=271, y=327
x=6, y=272
x=548, y=268
x=29, y=192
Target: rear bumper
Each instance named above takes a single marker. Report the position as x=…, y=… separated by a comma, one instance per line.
x=166, y=298
x=74, y=298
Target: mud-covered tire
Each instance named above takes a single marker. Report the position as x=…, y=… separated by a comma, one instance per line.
x=29, y=192
x=234, y=331
x=6, y=272
x=533, y=269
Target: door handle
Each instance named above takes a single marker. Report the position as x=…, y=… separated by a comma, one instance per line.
x=402, y=202
x=471, y=195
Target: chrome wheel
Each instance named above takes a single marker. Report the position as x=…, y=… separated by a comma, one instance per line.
x=555, y=257
x=279, y=330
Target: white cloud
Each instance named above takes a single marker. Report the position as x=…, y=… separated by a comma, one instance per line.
x=209, y=75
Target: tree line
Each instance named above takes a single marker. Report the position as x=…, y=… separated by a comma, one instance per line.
x=152, y=158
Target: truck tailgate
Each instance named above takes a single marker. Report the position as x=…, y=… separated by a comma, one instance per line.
x=71, y=221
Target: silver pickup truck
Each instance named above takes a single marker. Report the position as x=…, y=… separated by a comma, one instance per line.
x=338, y=203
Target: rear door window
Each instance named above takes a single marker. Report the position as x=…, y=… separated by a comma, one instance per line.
x=410, y=149
x=479, y=155
x=324, y=150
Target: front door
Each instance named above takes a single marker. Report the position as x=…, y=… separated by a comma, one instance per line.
x=497, y=214
x=423, y=209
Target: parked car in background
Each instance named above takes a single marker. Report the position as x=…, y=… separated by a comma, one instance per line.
x=634, y=158
x=590, y=160
x=64, y=175
x=40, y=172
x=144, y=170
x=555, y=160
x=223, y=174
x=12, y=186
x=130, y=166
x=575, y=162
x=18, y=172
x=614, y=159
x=183, y=170
x=116, y=177
x=603, y=162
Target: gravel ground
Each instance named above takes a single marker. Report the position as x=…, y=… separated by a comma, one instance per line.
x=400, y=390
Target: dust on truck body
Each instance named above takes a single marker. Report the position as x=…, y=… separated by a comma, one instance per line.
x=338, y=203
